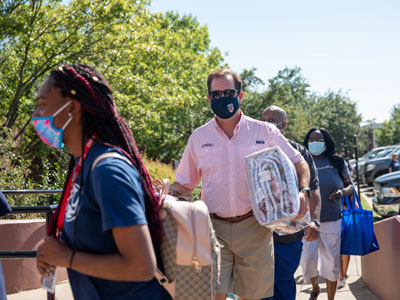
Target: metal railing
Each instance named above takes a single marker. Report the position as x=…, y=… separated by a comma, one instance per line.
x=47, y=209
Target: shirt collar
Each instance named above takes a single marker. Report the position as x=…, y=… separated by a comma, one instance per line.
x=238, y=125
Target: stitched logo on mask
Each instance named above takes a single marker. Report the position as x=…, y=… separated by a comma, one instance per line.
x=230, y=107
x=260, y=142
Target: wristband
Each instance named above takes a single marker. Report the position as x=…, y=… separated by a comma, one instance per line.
x=316, y=221
x=307, y=189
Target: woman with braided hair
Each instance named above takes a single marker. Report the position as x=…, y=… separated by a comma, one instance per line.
x=107, y=221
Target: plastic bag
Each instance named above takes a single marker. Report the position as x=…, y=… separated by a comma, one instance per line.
x=273, y=188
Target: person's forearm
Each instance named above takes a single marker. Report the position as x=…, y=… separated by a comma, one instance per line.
x=110, y=266
x=348, y=190
x=315, y=204
x=177, y=189
x=303, y=173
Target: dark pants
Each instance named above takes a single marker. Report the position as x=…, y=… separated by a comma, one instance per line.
x=287, y=259
x=3, y=295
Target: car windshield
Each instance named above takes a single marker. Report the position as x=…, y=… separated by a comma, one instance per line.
x=396, y=151
x=369, y=154
x=372, y=154
x=385, y=152
x=380, y=152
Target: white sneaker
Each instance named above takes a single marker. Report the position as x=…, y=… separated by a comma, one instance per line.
x=341, y=283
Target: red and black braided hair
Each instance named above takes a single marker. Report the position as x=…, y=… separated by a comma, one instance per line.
x=84, y=84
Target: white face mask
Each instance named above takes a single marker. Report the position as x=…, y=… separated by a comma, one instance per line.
x=316, y=148
x=276, y=125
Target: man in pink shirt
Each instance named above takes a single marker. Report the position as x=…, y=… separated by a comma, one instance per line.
x=215, y=156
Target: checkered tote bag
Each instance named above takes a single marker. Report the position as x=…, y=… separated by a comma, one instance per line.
x=189, y=250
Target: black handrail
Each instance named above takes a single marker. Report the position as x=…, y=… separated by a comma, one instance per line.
x=18, y=192
x=47, y=209
x=17, y=254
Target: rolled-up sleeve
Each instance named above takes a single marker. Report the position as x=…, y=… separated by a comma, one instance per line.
x=188, y=173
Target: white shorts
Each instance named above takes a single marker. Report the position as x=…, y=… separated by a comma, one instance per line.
x=323, y=254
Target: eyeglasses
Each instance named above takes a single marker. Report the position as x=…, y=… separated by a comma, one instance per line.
x=229, y=93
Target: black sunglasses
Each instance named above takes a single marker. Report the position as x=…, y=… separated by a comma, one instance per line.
x=230, y=93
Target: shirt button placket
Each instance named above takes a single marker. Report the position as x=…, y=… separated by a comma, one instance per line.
x=231, y=183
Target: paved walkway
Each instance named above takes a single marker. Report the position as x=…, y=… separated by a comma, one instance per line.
x=355, y=288
x=63, y=292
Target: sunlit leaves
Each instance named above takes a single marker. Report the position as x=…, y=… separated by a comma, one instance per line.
x=157, y=64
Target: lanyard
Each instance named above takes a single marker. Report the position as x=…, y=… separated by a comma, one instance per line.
x=71, y=182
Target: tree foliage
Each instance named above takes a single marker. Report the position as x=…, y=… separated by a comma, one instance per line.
x=335, y=112
x=157, y=65
x=250, y=80
x=389, y=134
x=290, y=90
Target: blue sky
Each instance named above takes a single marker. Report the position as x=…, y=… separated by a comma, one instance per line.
x=349, y=45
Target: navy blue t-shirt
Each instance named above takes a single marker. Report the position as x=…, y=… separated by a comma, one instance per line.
x=112, y=196
x=395, y=165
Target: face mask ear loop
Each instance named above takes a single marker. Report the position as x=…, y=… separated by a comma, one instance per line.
x=66, y=123
x=61, y=108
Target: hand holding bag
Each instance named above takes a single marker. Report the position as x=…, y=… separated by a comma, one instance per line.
x=358, y=237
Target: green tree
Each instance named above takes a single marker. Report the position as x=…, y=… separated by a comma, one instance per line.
x=162, y=75
x=157, y=65
x=335, y=112
x=289, y=90
x=389, y=134
x=250, y=80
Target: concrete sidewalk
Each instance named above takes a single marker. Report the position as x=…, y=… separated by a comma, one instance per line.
x=63, y=292
x=354, y=288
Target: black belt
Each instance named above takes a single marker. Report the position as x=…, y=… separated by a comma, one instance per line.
x=289, y=238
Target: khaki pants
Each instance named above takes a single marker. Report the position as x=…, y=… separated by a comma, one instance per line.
x=247, y=258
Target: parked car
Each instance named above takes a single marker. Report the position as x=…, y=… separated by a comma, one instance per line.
x=387, y=194
x=366, y=157
x=378, y=166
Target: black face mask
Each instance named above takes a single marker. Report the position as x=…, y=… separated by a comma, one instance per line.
x=225, y=107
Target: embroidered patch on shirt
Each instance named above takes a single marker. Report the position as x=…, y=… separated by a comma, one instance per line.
x=260, y=142
x=207, y=145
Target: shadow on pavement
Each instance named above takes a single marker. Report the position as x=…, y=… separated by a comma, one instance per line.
x=299, y=280
x=360, y=290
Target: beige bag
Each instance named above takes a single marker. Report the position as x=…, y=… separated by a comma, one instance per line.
x=189, y=248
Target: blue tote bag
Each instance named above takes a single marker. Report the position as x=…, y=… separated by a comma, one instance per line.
x=358, y=237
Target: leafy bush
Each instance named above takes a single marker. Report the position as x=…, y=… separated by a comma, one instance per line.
x=16, y=174
x=159, y=170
